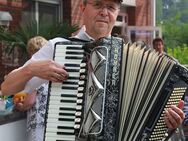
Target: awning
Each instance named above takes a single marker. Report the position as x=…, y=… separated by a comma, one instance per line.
x=5, y=18
x=129, y=2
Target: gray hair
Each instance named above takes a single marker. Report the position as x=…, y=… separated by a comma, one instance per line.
x=84, y=2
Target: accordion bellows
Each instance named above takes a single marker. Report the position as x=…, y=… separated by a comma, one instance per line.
x=114, y=92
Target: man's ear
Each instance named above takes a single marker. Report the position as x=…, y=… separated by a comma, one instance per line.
x=82, y=7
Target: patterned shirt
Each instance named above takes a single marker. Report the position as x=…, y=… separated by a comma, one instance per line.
x=36, y=115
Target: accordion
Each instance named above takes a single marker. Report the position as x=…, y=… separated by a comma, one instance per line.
x=114, y=92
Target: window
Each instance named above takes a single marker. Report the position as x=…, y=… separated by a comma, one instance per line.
x=144, y=33
x=42, y=11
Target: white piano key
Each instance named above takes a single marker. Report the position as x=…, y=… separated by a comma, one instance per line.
x=55, y=129
x=59, y=91
x=64, y=123
x=60, y=123
x=52, y=115
x=57, y=111
x=57, y=98
x=59, y=54
x=55, y=137
x=64, y=60
x=55, y=104
x=67, y=106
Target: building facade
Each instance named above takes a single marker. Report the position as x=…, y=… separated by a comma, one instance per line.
x=133, y=14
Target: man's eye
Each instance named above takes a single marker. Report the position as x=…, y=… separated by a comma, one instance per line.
x=110, y=7
x=97, y=5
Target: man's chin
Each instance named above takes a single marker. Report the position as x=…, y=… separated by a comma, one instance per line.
x=103, y=30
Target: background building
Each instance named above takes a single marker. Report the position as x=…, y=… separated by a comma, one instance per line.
x=135, y=21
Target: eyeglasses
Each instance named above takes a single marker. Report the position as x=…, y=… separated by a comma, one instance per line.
x=112, y=7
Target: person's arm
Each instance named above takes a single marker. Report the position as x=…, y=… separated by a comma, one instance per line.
x=32, y=74
x=15, y=81
x=39, y=71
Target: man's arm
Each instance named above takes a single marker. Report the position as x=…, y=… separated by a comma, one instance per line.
x=45, y=69
x=40, y=66
x=15, y=81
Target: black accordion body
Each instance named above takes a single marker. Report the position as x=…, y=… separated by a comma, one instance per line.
x=114, y=92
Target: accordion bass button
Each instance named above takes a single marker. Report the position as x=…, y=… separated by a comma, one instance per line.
x=76, y=126
x=78, y=113
x=79, y=101
x=79, y=95
x=83, y=65
x=81, y=82
x=77, y=120
x=80, y=88
x=78, y=107
x=82, y=70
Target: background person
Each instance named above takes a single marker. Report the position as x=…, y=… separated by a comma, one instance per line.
x=158, y=44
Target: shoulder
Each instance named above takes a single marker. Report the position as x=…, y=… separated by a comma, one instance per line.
x=57, y=39
x=46, y=52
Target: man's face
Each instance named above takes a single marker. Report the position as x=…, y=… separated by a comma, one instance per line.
x=99, y=17
x=158, y=46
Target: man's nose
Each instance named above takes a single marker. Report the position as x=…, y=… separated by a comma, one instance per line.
x=104, y=11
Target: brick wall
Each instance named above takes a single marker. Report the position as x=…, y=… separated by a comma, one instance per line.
x=143, y=12
x=76, y=13
x=139, y=16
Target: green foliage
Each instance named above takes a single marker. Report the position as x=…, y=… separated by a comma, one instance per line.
x=20, y=36
x=174, y=21
x=159, y=12
x=175, y=32
x=180, y=53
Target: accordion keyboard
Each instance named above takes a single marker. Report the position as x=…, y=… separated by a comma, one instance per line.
x=65, y=99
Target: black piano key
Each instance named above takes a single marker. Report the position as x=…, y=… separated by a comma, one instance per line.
x=74, y=48
x=72, y=65
x=66, y=114
x=69, y=87
x=70, y=82
x=68, y=101
x=65, y=119
x=74, y=52
x=68, y=95
x=64, y=133
x=74, y=57
x=72, y=70
x=64, y=127
x=73, y=77
x=67, y=108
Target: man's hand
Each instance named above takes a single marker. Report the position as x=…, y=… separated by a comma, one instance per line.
x=174, y=115
x=26, y=103
x=49, y=70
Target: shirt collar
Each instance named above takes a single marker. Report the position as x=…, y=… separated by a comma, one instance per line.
x=84, y=36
